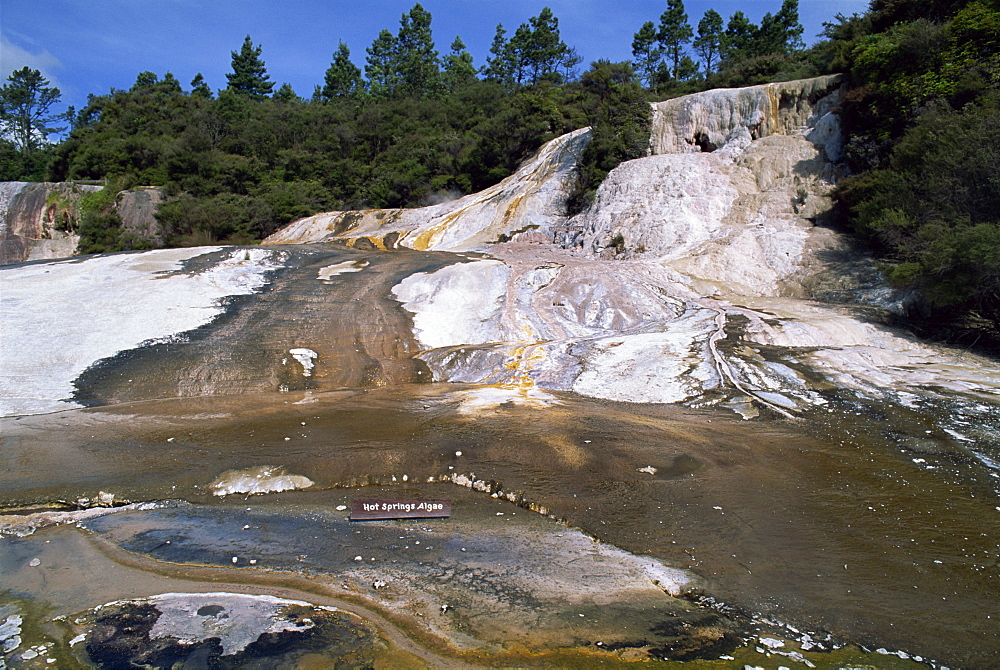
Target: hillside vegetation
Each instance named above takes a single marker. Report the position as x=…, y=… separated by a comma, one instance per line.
x=923, y=118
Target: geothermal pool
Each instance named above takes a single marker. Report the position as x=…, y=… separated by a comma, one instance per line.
x=848, y=522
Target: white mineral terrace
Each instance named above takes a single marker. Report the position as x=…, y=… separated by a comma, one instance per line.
x=533, y=197
x=712, y=237
x=60, y=318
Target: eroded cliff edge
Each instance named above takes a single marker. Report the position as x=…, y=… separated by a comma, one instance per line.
x=41, y=220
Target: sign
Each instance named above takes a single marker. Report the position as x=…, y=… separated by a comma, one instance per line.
x=366, y=510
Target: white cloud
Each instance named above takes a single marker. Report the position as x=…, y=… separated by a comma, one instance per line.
x=14, y=57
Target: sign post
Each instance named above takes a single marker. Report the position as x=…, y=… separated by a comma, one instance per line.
x=371, y=509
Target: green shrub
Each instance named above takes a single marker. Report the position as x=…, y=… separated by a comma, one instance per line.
x=933, y=211
x=620, y=120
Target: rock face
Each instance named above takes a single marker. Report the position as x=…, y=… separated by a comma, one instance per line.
x=39, y=220
x=729, y=118
x=743, y=224
x=731, y=198
x=137, y=209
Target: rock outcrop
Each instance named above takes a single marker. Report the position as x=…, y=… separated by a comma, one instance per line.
x=744, y=224
x=731, y=196
x=137, y=209
x=730, y=118
x=39, y=220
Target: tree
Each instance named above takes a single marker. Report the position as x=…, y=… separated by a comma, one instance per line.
x=687, y=70
x=674, y=32
x=500, y=67
x=519, y=49
x=546, y=51
x=144, y=80
x=343, y=78
x=416, y=60
x=170, y=83
x=249, y=76
x=738, y=40
x=782, y=32
x=933, y=209
x=458, y=67
x=536, y=52
x=286, y=93
x=570, y=60
x=24, y=109
x=788, y=19
x=619, y=119
x=647, y=56
x=380, y=65
x=199, y=88
x=708, y=44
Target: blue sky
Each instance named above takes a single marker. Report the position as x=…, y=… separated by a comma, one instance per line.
x=93, y=46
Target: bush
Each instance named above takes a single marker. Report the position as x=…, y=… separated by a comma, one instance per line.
x=228, y=217
x=620, y=121
x=934, y=210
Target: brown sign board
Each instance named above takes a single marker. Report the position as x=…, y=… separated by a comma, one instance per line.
x=366, y=510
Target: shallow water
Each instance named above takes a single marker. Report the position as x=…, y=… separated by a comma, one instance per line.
x=852, y=521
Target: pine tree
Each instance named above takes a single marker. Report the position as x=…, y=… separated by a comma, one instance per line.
x=788, y=18
x=647, y=56
x=674, y=33
x=571, y=59
x=709, y=41
x=249, y=76
x=547, y=50
x=536, y=52
x=145, y=80
x=500, y=67
x=519, y=50
x=687, y=70
x=24, y=109
x=286, y=94
x=416, y=59
x=380, y=65
x=739, y=39
x=782, y=32
x=458, y=67
x=343, y=78
x=170, y=84
x=199, y=88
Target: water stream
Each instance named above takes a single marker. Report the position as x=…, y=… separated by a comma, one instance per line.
x=849, y=522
